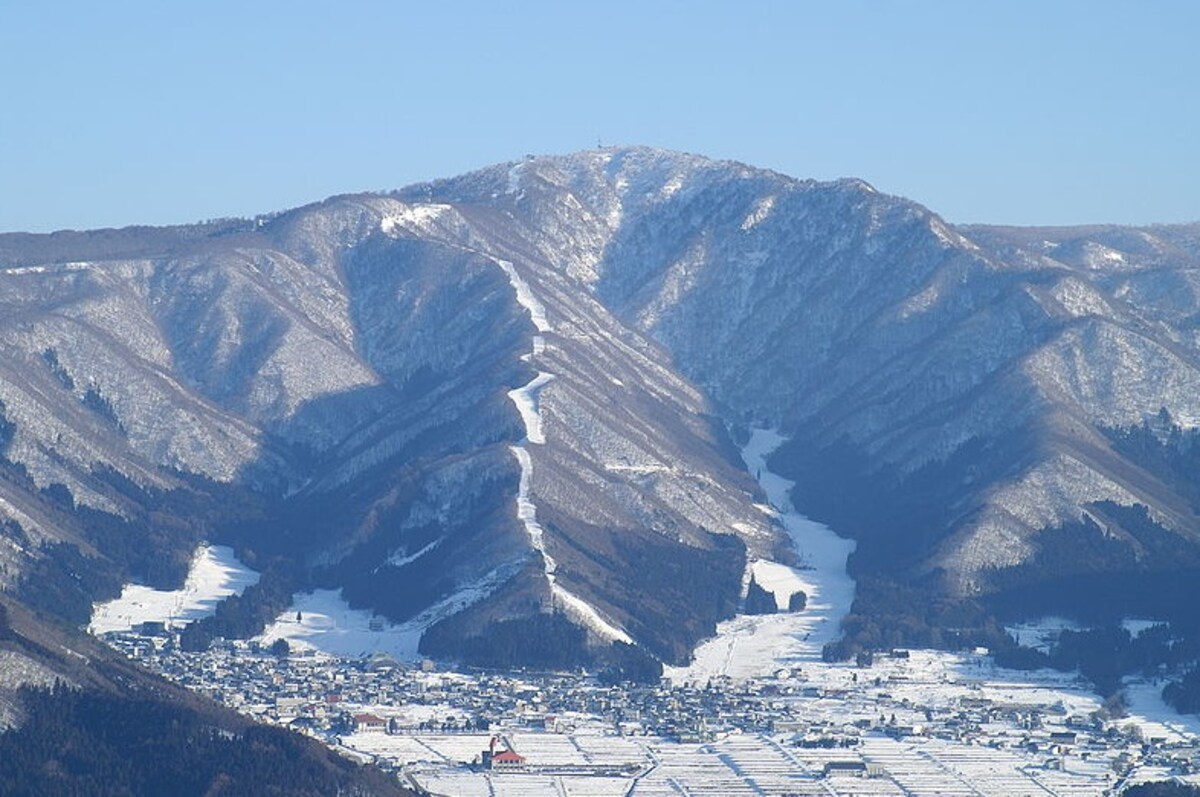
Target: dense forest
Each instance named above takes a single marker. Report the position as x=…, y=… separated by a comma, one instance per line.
x=1166, y=449
x=549, y=642
x=1162, y=788
x=92, y=744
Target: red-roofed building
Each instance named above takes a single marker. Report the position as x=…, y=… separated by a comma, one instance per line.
x=508, y=761
x=369, y=722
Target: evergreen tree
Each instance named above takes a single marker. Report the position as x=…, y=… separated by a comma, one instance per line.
x=758, y=600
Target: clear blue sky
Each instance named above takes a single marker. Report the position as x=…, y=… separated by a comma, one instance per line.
x=1043, y=112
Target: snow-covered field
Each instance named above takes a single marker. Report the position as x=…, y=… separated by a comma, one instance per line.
x=752, y=646
x=322, y=620
x=1042, y=633
x=1144, y=695
x=763, y=764
x=749, y=765
x=215, y=574
x=1155, y=718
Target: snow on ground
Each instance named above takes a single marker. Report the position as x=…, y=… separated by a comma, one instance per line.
x=412, y=218
x=215, y=574
x=399, y=560
x=747, y=764
x=526, y=511
x=1136, y=625
x=1149, y=712
x=583, y=611
x=937, y=678
x=751, y=646
x=23, y=270
x=525, y=297
x=328, y=624
x=1146, y=708
x=1041, y=633
x=438, y=762
x=18, y=671
x=995, y=759
x=526, y=400
x=761, y=210
x=514, y=179
x=780, y=580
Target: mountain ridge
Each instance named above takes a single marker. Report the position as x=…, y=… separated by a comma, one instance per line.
x=950, y=391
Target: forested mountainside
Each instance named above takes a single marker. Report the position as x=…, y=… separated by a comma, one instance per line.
x=477, y=402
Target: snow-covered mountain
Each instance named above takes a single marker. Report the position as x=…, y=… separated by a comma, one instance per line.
x=475, y=401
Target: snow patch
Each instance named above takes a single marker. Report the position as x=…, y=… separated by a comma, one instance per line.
x=671, y=187
x=584, y=612
x=1079, y=298
x=539, y=346
x=1137, y=625
x=1099, y=256
x=1042, y=633
x=942, y=233
x=921, y=301
x=526, y=400
x=322, y=620
x=413, y=216
x=17, y=271
x=214, y=575
x=761, y=210
x=949, y=237
x=400, y=561
x=514, y=178
x=642, y=470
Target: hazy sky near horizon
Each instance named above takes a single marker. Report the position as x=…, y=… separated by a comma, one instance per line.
x=1050, y=112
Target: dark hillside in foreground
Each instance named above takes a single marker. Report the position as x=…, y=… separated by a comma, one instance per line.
x=92, y=743
x=117, y=730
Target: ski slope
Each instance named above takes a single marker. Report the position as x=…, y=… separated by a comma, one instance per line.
x=752, y=646
x=215, y=574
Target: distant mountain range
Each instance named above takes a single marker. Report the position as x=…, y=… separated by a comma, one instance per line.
x=504, y=406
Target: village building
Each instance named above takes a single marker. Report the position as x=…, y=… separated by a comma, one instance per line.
x=369, y=722
x=508, y=761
